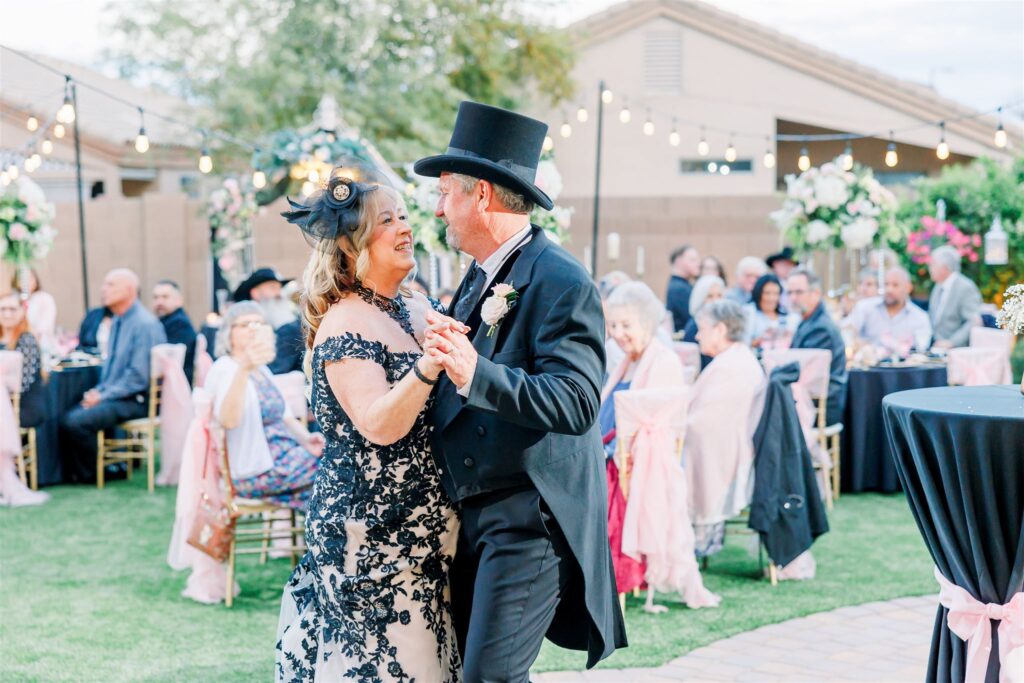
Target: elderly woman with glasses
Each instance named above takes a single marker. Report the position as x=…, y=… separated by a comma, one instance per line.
x=272, y=456
x=718, y=451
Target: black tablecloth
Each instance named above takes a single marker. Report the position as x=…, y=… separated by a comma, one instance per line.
x=866, y=463
x=959, y=453
x=63, y=391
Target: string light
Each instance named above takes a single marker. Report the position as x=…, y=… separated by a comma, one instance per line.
x=582, y=115
x=1000, y=138
x=702, y=146
x=66, y=113
x=5, y=179
x=891, y=158
x=673, y=137
x=804, y=162
x=730, y=151
x=32, y=124
x=58, y=131
x=769, y=156
x=13, y=172
x=47, y=146
x=549, y=144
x=848, y=158
x=942, y=151
x=648, y=124
x=307, y=188
x=141, y=141
x=259, y=179
x=606, y=96
x=205, y=162
x=624, y=115
x=566, y=129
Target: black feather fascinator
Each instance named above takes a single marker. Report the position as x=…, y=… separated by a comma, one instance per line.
x=332, y=211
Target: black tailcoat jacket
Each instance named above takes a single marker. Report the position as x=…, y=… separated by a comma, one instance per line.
x=530, y=418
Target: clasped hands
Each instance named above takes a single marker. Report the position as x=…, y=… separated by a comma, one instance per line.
x=447, y=349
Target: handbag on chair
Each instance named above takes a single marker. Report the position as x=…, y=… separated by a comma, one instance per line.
x=214, y=526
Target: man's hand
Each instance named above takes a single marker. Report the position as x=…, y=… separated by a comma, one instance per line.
x=451, y=347
x=942, y=345
x=91, y=398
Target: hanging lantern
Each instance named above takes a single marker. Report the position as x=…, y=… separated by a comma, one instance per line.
x=997, y=246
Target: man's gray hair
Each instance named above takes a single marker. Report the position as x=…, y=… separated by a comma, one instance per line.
x=607, y=284
x=730, y=314
x=701, y=289
x=222, y=342
x=813, y=281
x=751, y=264
x=947, y=256
x=511, y=200
x=638, y=298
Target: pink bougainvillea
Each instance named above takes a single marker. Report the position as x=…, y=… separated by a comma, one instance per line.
x=935, y=233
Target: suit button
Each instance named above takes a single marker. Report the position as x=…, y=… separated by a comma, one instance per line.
x=481, y=430
x=468, y=462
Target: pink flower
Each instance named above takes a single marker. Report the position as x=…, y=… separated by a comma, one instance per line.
x=226, y=262
x=972, y=257
x=17, y=232
x=976, y=240
x=928, y=222
x=940, y=229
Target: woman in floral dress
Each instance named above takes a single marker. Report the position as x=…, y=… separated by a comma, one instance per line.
x=370, y=600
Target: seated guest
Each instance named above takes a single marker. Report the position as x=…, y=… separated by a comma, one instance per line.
x=767, y=320
x=892, y=320
x=955, y=304
x=712, y=266
x=168, y=306
x=42, y=308
x=782, y=263
x=272, y=456
x=265, y=287
x=747, y=271
x=613, y=354
x=708, y=288
x=867, y=288
x=718, y=452
x=94, y=332
x=123, y=391
x=15, y=336
x=818, y=331
x=685, y=264
x=634, y=314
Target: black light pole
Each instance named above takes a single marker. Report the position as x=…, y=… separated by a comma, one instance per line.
x=81, y=200
x=597, y=181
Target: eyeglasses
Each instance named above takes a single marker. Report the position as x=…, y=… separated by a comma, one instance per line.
x=9, y=309
x=252, y=325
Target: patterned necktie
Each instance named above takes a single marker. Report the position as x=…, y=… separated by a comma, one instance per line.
x=467, y=302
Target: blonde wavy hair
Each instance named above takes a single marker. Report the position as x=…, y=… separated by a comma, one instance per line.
x=337, y=265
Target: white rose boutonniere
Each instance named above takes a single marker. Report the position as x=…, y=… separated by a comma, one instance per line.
x=496, y=307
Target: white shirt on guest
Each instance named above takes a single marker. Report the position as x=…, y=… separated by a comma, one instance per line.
x=870, y=320
x=248, y=451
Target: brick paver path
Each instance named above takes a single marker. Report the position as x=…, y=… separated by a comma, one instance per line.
x=883, y=642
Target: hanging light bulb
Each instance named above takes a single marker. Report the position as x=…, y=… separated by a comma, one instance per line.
x=566, y=129
x=942, y=151
x=804, y=162
x=313, y=176
x=673, y=137
x=141, y=141
x=13, y=172
x=624, y=115
x=1000, y=138
x=32, y=124
x=47, y=146
x=730, y=151
x=648, y=124
x=66, y=113
x=891, y=158
x=702, y=146
x=205, y=162
x=549, y=144
x=259, y=179
x=769, y=156
x=307, y=188
x=58, y=131
x=582, y=115
x=5, y=179
x=37, y=160
x=848, y=158
x=606, y=96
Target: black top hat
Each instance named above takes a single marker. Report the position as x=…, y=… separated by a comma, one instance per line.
x=258, y=277
x=785, y=255
x=493, y=144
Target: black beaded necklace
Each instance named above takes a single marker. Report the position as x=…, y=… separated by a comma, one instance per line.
x=392, y=308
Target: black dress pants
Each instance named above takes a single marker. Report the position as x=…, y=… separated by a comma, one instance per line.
x=80, y=426
x=513, y=564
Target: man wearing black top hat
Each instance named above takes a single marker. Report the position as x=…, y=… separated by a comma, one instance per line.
x=514, y=419
x=265, y=287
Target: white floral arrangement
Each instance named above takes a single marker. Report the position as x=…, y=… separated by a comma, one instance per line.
x=1011, y=315
x=26, y=231
x=830, y=207
x=230, y=210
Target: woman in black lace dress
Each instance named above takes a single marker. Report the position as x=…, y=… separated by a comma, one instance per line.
x=370, y=600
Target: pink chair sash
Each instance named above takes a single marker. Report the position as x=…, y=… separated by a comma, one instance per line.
x=978, y=366
x=987, y=337
x=13, y=490
x=657, y=527
x=11, y=363
x=206, y=583
x=10, y=441
x=202, y=362
x=175, y=409
x=970, y=620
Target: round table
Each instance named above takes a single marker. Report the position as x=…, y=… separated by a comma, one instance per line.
x=64, y=390
x=959, y=453
x=866, y=463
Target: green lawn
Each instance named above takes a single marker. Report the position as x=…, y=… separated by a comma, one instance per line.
x=86, y=593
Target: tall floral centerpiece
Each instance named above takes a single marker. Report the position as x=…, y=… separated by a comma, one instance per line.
x=830, y=208
x=26, y=233
x=1011, y=315
x=231, y=209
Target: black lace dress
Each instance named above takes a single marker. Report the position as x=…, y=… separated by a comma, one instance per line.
x=370, y=599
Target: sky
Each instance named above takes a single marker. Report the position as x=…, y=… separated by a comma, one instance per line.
x=971, y=51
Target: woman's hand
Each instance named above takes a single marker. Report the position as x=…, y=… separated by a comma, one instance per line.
x=430, y=362
x=315, y=443
x=258, y=353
